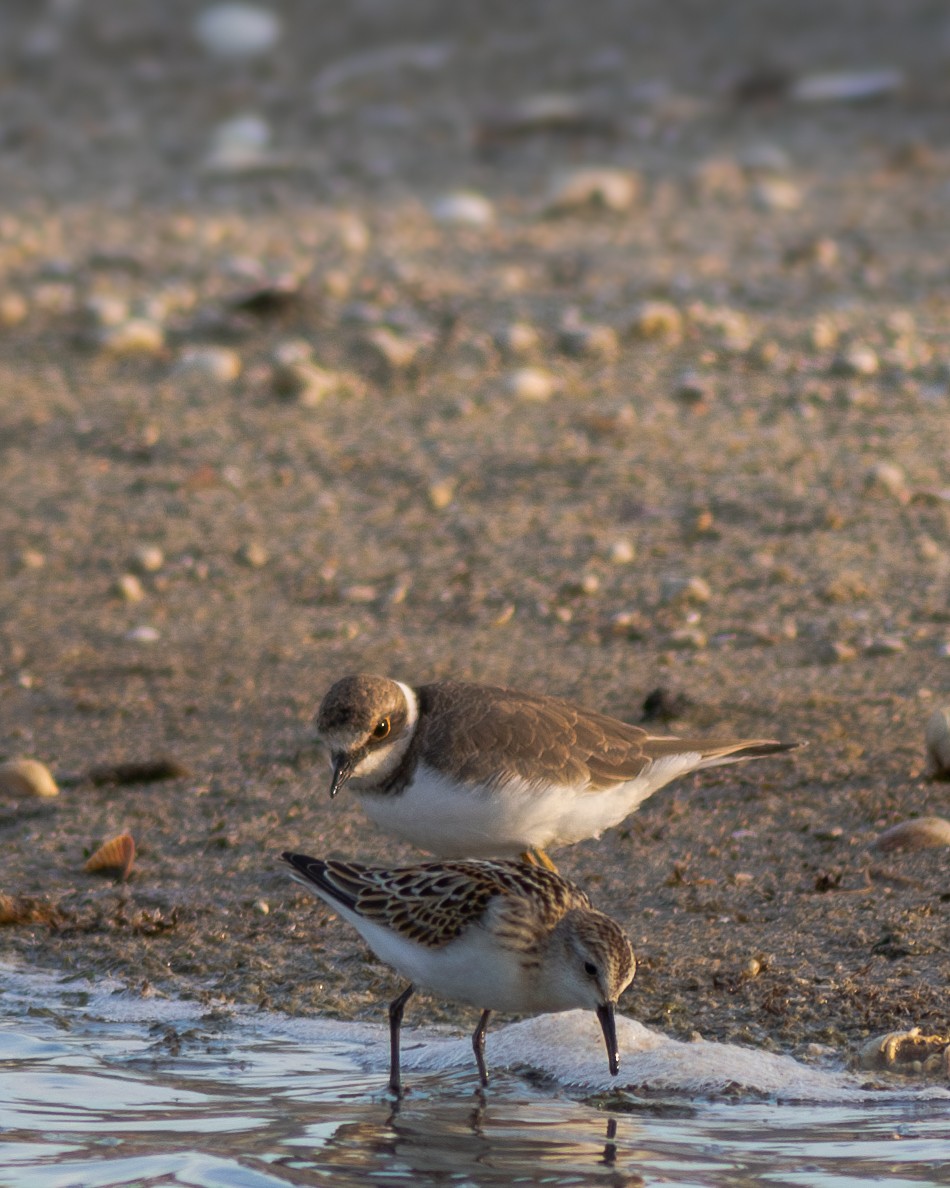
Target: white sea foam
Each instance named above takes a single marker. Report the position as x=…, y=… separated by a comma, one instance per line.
x=567, y=1049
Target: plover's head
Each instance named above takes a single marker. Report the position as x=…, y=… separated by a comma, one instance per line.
x=588, y=964
x=366, y=723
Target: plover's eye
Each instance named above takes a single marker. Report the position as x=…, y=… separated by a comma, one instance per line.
x=382, y=728
x=590, y=968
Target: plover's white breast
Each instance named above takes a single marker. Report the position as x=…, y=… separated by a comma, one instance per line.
x=456, y=820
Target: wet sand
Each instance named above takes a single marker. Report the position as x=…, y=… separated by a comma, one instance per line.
x=738, y=495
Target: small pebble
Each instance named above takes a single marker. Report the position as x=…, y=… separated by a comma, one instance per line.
x=823, y=334
x=776, y=194
x=889, y=479
x=921, y=833
x=589, y=342
x=143, y=634
x=237, y=31
x=530, y=383
x=693, y=389
x=937, y=740
x=137, y=336
x=593, y=189
x=687, y=638
x=129, y=588
x=253, y=554
x=846, y=86
x=32, y=559
x=307, y=383
x=391, y=350
x=239, y=143
x=856, y=360
x=215, y=363
x=105, y=309
x=360, y=594
x=262, y=907
x=657, y=319
x=517, y=339
x=885, y=645
x=463, y=209
x=13, y=309
x=27, y=777
x=836, y=651
x=622, y=552
x=441, y=494
x=685, y=590
x=148, y=559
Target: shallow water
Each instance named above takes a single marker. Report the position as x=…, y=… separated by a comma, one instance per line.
x=101, y=1088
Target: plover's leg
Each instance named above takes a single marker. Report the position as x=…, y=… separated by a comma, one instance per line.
x=478, y=1047
x=538, y=858
x=396, y=1008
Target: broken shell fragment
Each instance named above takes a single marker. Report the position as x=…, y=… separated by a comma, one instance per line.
x=937, y=740
x=114, y=858
x=922, y=833
x=26, y=777
x=907, y=1052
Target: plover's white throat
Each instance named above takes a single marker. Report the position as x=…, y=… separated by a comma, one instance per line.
x=495, y=935
x=466, y=770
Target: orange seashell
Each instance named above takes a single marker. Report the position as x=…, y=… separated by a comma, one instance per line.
x=113, y=858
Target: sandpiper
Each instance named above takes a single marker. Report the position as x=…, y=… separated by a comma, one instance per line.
x=500, y=936
x=474, y=771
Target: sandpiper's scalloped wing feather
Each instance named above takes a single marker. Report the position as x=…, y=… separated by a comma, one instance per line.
x=432, y=903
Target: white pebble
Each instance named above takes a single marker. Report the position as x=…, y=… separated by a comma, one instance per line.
x=776, y=194
x=239, y=143
x=237, y=30
x=253, y=554
x=137, y=336
x=464, y=208
x=27, y=777
x=889, y=478
x=622, y=552
x=596, y=189
x=106, y=309
x=846, y=86
x=143, y=634
x=517, y=339
x=531, y=384
x=148, y=559
x=215, y=363
x=857, y=359
x=129, y=588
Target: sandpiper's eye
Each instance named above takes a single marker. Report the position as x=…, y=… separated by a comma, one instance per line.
x=590, y=968
x=382, y=728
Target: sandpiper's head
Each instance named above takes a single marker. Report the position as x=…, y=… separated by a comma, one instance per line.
x=365, y=722
x=589, y=964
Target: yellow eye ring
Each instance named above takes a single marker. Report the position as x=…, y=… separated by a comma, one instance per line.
x=383, y=726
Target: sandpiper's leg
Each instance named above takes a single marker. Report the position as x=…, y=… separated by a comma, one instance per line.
x=478, y=1047
x=396, y=1008
x=538, y=858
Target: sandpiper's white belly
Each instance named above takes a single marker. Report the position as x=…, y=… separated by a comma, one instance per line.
x=470, y=821
x=473, y=969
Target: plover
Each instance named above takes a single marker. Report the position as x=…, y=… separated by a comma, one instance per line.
x=474, y=771
x=500, y=936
